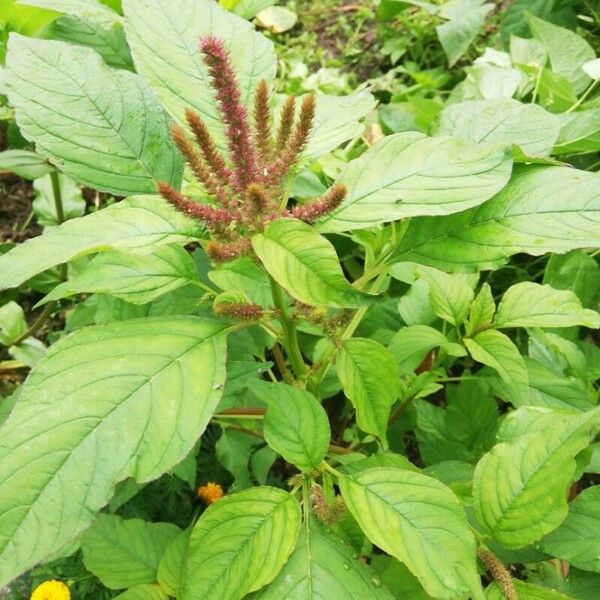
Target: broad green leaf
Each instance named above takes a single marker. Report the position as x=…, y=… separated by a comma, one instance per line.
x=409, y=174
x=502, y=121
x=143, y=592
x=295, y=424
x=511, y=495
x=567, y=50
x=489, y=82
x=579, y=133
x=132, y=277
x=139, y=225
x=277, y=19
x=322, y=566
x=128, y=399
x=528, y=304
x=247, y=9
x=420, y=522
x=577, y=540
x=24, y=163
x=370, y=379
x=125, y=552
x=482, y=310
x=243, y=275
x=305, y=264
x=556, y=92
x=496, y=350
x=102, y=127
x=526, y=591
x=27, y=20
x=240, y=544
x=92, y=10
x=450, y=295
x=44, y=204
x=466, y=19
x=177, y=73
x=543, y=209
x=12, y=323
x=414, y=307
x=171, y=563
x=527, y=51
x=411, y=344
x=397, y=578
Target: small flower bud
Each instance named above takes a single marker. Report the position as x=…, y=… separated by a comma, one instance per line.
x=210, y=493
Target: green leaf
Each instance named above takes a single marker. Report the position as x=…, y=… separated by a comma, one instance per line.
x=482, y=310
x=44, y=204
x=295, y=424
x=576, y=540
x=449, y=294
x=496, y=350
x=527, y=51
x=240, y=544
x=402, y=511
x=243, y=275
x=143, y=592
x=567, y=51
x=305, y=264
x=92, y=10
x=411, y=344
x=502, y=121
x=525, y=591
x=123, y=553
x=170, y=568
x=528, y=304
x=102, y=127
x=543, y=209
x=247, y=9
x=138, y=225
x=579, y=133
x=409, y=174
x=134, y=278
x=370, y=379
x=128, y=399
x=511, y=496
x=12, y=323
x=277, y=19
x=178, y=75
x=322, y=566
x=24, y=163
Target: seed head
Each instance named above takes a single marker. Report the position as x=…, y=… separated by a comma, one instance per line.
x=330, y=201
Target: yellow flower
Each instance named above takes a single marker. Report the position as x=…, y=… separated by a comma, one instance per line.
x=51, y=590
x=209, y=493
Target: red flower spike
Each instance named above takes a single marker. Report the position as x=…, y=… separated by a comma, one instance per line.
x=222, y=252
x=330, y=201
x=234, y=114
x=286, y=123
x=239, y=311
x=262, y=126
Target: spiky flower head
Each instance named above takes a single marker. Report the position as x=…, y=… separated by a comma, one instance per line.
x=210, y=493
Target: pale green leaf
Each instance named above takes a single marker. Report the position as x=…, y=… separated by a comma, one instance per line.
x=240, y=544
x=12, y=322
x=102, y=127
x=450, y=295
x=409, y=174
x=132, y=277
x=527, y=51
x=177, y=73
x=528, y=304
x=411, y=344
x=305, y=264
x=295, y=424
x=592, y=68
x=44, y=204
x=526, y=591
x=543, y=209
x=321, y=567
x=577, y=540
x=277, y=19
x=567, y=51
x=243, y=275
x=125, y=552
x=502, y=121
x=496, y=350
x=139, y=225
x=482, y=310
x=511, y=495
x=108, y=402
x=171, y=563
x=246, y=8
x=420, y=522
x=579, y=133
x=91, y=10
x=370, y=379
x=24, y=163
x=143, y=592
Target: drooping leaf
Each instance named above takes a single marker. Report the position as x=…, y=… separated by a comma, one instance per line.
x=370, y=378
x=511, y=495
x=579, y=132
x=135, y=278
x=102, y=127
x=125, y=552
x=128, y=399
x=577, y=540
x=139, y=225
x=240, y=544
x=528, y=304
x=322, y=566
x=170, y=567
x=24, y=163
x=544, y=209
x=295, y=424
x=402, y=511
x=177, y=73
x=305, y=264
x=502, y=121
x=409, y=174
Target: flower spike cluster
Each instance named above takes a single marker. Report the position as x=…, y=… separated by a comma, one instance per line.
x=246, y=184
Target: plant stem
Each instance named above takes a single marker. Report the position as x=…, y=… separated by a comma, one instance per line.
x=35, y=326
x=290, y=336
x=584, y=96
x=60, y=214
x=280, y=362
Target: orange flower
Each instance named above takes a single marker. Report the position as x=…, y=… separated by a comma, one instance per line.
x=209, y=493
x=51, y=590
